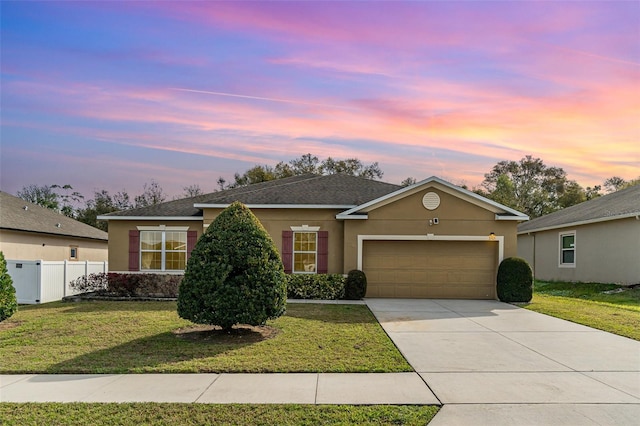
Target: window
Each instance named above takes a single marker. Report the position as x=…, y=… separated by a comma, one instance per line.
x=73, y=253
x=568, y=249
x=305, y=250
x=163, y=250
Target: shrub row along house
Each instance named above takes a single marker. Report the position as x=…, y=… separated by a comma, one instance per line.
x=428, y=240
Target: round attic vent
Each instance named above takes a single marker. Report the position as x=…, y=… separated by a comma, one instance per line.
x=431, y=201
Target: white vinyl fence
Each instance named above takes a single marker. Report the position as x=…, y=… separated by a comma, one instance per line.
x=39, y=281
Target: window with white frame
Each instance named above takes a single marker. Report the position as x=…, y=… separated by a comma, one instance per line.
x=163, y=250
x=73, y=253
x=305, y=252
x=568, y=249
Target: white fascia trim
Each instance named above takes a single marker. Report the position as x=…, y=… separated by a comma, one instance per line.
x=305, y=228
x=277, y=206
x=516, y=218
x=430, y=237
x=162, y=228
x=150, y=218
x=450, y=186
x=344, y=215
x=579, y=223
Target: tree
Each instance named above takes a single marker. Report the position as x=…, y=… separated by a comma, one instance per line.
x=234, y=274
x=191, y=191
x=68, y=199
x=351, y=166
x=42, y=195
x=103, y=203
x=8, y=301
x=617, y=183
x=529, y=186
x=54, y=197
x=152, y=194
x=306, y=164
x=408, y=181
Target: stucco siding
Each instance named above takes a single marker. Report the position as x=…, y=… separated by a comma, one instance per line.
x=409, y=217
x=119, y=238
x=607, y=252
x=277, y=220
x=20, y=245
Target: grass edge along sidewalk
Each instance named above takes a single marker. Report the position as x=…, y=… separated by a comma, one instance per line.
x=206, y=414
x=149, y=337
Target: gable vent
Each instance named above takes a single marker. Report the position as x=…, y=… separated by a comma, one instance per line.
x=431, y=201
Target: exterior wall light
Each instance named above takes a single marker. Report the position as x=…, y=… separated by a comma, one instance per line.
x=492, y=236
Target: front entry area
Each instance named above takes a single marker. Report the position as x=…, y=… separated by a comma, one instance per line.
x=431, y=269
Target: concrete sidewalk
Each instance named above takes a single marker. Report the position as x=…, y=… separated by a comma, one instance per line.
x=496, y=364
x=298, y=388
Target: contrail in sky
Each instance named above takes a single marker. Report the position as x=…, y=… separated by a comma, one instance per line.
x=259, y=98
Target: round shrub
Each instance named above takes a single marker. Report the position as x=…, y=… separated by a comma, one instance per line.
x=234, y=274
x=515, y=280
x=356, y=285
x=8, y=301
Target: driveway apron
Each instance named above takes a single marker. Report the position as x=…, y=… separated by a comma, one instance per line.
x=493, y=363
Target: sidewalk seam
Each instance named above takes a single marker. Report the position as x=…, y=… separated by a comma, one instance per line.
x=217, y=375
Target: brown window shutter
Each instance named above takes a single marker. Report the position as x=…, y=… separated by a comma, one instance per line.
x=323, y=252
x=134, y=250
x=287, y=251
x=192, y=238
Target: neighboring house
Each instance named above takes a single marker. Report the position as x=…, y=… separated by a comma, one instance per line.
x=594, y=241
x=31, y=232
x=430, y=239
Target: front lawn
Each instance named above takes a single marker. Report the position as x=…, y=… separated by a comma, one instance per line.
x=206, y=414
x=606, y=307
x=143, y=337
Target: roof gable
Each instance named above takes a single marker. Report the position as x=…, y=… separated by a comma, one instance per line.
x=19, y=215
x=501, y=211
x=614, y=206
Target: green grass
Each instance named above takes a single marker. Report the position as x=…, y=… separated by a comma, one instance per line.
x=204, y=414
x=138, y=337
x=588, y=304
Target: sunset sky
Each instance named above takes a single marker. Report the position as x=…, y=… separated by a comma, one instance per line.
x=109, y=95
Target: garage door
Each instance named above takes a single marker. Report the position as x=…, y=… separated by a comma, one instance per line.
x=430, y=269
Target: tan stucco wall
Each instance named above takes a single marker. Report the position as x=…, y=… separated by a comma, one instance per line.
x=119, y=238
x=18, y=245
x=409, y=217
x=277, y=220
x=607, y=252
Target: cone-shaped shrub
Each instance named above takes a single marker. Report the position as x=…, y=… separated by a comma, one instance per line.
x=8, y=302
x=234, y=274
x=515, y=280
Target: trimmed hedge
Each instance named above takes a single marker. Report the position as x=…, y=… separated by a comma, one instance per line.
x=515, y=280
x=234, y=275
x=129, y=285
x=356, y=285
x=315, y=286
x=8, y=301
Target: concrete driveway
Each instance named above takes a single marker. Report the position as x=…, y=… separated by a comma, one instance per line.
x=491, y=363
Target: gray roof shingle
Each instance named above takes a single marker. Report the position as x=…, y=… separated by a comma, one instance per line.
x=35, y=218
x=310, y=189
x=611, y=206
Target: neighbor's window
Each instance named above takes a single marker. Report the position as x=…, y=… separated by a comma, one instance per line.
x=163, y=250
x=73, y=253
x=568, y=249
x=305, y=250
